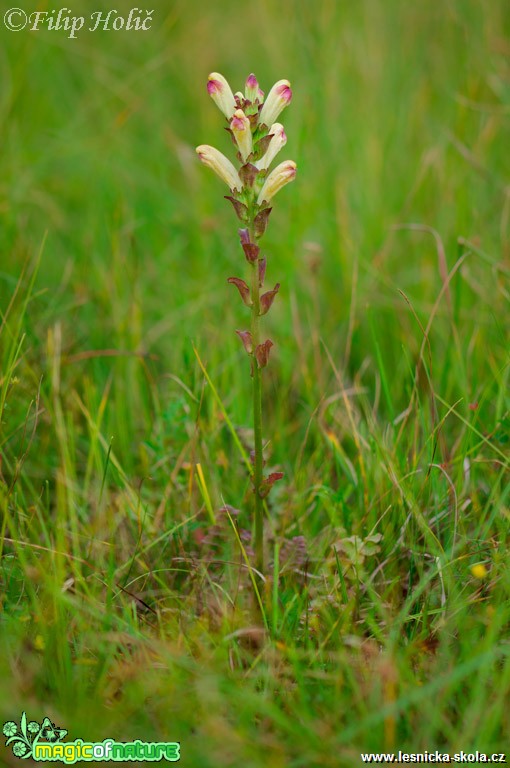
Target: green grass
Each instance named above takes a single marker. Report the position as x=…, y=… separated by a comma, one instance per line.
x=127, y=609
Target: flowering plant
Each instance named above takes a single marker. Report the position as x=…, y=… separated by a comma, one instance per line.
x=258, y=138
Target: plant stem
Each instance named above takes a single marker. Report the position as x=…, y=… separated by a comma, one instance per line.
x=257, y=413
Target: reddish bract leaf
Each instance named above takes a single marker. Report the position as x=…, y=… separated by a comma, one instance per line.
x=267, y=299
x=248, y=173
x=262, y=145
x=260, y=221
x=245, y=337
x=242, y=288
x=251, y=251
x=244, y=236
x=240, y=208
x=262, y=270
x=268, y=482
x=262, y=353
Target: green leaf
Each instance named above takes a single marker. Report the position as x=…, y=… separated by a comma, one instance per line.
x=17, y=737
x=23, y=724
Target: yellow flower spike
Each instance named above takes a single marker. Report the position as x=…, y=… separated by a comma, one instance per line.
x=258, y=138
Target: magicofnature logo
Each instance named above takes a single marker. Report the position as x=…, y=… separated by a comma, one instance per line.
x=24, y=738
x=43, y=742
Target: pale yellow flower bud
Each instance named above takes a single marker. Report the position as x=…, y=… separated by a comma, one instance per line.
x=277, y=142
x=220, y=164
x=240, y=127
x=278, y=178
x=278, y=98
x=221, y=93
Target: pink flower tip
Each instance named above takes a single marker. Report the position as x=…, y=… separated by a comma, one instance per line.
x=239, y=121
x=285, y=92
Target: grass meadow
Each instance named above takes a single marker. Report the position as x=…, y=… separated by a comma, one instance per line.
x=127, y=609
